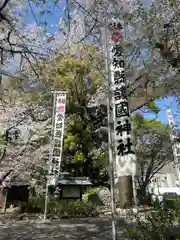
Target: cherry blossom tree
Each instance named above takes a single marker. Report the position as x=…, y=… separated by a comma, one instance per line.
x=151, y=43
x=23, y=129
x=151, y=48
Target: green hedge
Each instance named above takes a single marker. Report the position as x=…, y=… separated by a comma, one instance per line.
x=60, y=208
x=171, y=203
x=71, y=209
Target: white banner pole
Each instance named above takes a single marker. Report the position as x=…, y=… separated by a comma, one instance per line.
x=57, y=133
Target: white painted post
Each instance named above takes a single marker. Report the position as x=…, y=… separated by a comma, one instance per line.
x=55, y=155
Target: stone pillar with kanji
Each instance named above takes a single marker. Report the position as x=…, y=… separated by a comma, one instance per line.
x=124, y=148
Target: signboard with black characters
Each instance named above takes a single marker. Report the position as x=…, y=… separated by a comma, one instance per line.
x=58, y=132
x=125, y=154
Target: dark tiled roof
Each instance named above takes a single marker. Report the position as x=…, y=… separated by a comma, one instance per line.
x=16, y=181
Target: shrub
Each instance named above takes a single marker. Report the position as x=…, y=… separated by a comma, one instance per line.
x=71, y=209
x=157, y=225
x=91, y=196
x=59, y=208
x=172, y=203
x=34, y=205
x=90, y=192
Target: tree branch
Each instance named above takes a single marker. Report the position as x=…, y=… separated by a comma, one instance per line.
x=5, y=176
x=4, y=5
x=13, y=51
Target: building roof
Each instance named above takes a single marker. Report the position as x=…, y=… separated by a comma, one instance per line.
x=15, y=181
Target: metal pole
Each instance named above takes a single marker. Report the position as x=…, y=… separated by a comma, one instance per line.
x=176, y=161
x=110, y=138
x=134, y=191
x=174, y=145
x=5, y=200
x=50, y=157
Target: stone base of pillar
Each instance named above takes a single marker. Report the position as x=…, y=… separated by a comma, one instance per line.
x=125, y=186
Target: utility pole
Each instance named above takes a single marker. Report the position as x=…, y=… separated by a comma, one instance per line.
x=175, y=143
x=110, y=135
x=50, y=158
x=57, y=133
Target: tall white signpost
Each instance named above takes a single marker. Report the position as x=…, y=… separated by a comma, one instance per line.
x=55, y=156
x=124, y=149
x=122, y=159
x=175, y=143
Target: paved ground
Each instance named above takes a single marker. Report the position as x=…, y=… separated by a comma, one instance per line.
x=84, y=229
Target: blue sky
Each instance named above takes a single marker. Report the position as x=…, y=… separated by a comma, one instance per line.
x=163, y=104
x=52, y=20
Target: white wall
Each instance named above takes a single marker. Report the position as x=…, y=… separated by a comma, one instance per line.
x=164, y=180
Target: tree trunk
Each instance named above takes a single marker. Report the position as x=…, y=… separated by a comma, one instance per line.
x=143, y=195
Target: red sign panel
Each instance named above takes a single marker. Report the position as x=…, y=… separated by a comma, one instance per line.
x=61, y=108
x=116, y=36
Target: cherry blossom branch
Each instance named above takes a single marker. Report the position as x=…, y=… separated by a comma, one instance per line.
x=4, y=5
